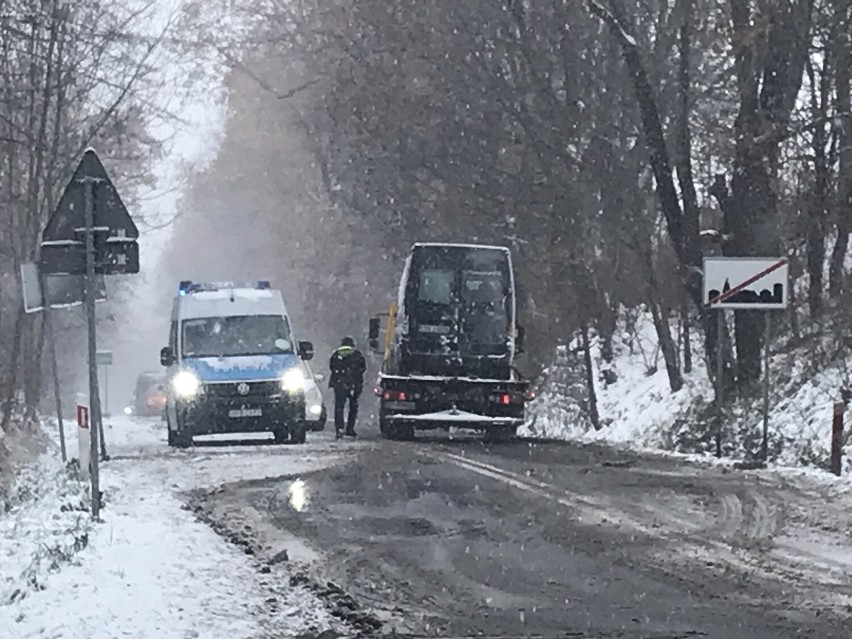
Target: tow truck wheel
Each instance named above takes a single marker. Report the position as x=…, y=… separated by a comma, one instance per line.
x=395, y=431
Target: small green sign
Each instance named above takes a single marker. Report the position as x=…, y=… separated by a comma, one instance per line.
x=103, y=358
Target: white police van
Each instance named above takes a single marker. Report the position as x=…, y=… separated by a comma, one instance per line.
x=233, y=364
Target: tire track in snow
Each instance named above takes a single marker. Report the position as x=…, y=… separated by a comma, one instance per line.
x=735, y=538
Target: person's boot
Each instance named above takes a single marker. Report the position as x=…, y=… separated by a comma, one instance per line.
x=351, y=433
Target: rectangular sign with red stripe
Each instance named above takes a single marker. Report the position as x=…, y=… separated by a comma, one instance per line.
x=742, y=283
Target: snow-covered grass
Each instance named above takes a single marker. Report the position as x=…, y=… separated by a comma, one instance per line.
x=20, y=444
x=149, y=568
x=639, y=410
x=47, y=523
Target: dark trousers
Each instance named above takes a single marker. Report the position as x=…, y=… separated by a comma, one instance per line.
x=341, y=396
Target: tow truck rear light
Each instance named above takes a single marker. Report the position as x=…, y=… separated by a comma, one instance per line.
x=398, y=396
x=507, y=399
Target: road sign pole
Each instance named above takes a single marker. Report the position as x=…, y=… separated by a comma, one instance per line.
x=62, y=253
x=51, y=346
x=94, y=394
x=764, y=449
x=720, y=372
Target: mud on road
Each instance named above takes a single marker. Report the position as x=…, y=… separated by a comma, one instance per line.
x=440, y=539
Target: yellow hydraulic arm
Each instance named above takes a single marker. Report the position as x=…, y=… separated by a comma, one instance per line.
x=389, y=331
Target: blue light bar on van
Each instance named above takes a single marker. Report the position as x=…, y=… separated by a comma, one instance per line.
x=188, y=286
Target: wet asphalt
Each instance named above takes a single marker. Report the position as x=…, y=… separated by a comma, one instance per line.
x=463, y=539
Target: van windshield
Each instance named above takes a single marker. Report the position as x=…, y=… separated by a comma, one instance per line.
x=236, y=335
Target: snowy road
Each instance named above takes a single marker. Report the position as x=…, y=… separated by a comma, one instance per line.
x=444, y=538
x=435, y=538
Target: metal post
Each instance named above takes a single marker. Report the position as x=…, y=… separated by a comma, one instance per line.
x=764, y=448
x=94, y=394
x=51, y=346
x=837, y=437
x=720, y=372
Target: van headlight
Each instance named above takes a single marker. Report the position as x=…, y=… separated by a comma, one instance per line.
x=315, y=409
x=186, y=385
x=293, y=380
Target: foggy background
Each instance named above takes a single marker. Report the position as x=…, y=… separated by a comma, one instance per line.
x=311, y=143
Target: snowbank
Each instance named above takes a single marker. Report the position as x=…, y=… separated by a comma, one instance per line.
x=150, y=568
x=639, y=410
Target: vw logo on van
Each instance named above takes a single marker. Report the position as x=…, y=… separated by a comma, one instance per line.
x=243, y=388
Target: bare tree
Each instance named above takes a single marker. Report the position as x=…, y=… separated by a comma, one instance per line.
x=70, y=77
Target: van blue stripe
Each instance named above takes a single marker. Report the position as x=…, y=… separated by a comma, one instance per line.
x=240, y=369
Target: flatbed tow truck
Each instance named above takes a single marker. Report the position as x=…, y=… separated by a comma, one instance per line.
x=451, y=339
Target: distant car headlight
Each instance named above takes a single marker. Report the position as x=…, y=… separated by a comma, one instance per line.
x=293, y=380
x=186, y=385
x=315, y=409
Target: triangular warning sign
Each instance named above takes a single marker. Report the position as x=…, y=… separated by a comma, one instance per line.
x=108, y=209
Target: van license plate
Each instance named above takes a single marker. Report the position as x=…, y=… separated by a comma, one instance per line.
x=245, y=412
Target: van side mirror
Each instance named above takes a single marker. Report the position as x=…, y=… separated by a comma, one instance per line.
x=306, y=351
x=519, y=339
x=375, y=329
x=167, y=356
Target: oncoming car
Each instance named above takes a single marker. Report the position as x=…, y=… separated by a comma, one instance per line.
x=233, y=364
x=149, y=397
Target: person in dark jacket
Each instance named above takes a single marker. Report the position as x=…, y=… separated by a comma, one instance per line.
x=347, y=367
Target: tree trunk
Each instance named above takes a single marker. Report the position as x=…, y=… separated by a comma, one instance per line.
x=687, y=339
x=607, y=323
x=667, y=346
x=767, y=96
x=818, y=197
x=11, y=389
x=659, y=315
x=843, y=105
x=590, y=378
x=793, y=307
